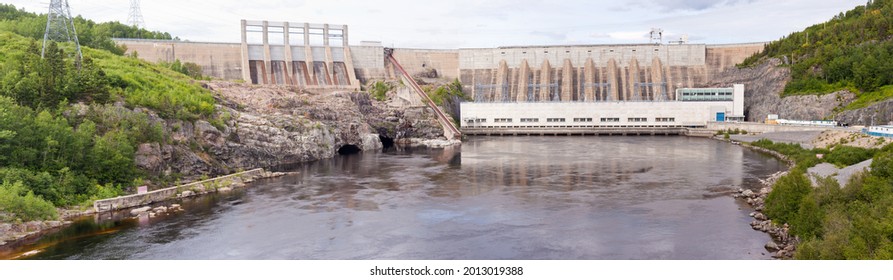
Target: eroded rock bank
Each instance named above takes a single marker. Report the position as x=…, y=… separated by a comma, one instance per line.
x=263, y=126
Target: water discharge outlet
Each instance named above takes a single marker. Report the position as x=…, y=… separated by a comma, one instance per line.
x=348, y=150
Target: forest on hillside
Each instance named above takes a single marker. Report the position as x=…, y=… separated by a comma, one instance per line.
x=852, y=51
x=68, y=131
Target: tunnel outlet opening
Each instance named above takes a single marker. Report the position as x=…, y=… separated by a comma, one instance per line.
x=386, y=142
x=348, y=150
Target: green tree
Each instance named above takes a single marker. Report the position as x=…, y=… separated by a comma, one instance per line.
x=783, y=203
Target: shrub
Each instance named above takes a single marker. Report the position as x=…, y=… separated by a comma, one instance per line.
x=846, y=155
x=379, y=90
x=23, y=204
x=783, y=203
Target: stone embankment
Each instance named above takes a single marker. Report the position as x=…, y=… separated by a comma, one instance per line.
x=139, y=203
x=783, y=244
x=220, y=184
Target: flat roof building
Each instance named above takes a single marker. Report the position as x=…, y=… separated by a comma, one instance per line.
x=694, y=108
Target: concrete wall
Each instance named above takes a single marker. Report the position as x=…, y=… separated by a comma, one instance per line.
x=722, y=57
x=369, y=63
x=136, y=200
x=416, y=61
x=761, y=127
x=684, y=113
x=219, y=60
x=593, y=73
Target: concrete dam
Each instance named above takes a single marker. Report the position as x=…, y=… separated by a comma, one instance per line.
x=319, y=56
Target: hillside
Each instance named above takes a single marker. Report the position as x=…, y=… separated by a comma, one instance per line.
x=69, y=136
x=853, y=51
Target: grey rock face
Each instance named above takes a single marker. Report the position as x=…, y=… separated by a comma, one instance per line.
x=269, y=126
x=763, y=86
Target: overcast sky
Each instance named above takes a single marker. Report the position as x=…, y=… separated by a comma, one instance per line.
x=490, y=23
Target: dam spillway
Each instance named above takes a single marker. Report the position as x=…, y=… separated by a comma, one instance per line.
x=319, y=56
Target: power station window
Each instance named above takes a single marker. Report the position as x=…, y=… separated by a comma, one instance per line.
x=545, y=51
x=610, y=119
x=657, y=50
x=610, y=50
x=637, y=119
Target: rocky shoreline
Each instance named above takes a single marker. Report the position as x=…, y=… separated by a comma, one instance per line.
x=783, y=244
x=13, y=233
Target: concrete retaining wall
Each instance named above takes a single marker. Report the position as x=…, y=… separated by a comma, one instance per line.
x=761, y=127
x=135, y=200
x=219, y=60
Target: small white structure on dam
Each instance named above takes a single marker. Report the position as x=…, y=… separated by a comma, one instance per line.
x=693, y=107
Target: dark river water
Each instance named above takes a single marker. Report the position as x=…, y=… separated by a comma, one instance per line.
x=493, y=198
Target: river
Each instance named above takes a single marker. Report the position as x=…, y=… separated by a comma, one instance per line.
x=491, y=198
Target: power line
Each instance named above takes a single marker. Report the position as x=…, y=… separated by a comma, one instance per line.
x=60, y=28
x=135, y=18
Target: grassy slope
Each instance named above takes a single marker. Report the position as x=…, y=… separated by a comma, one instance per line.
x=79, y=168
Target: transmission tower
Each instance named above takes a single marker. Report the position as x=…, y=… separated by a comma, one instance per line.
x=60, y=28
x=135, y=18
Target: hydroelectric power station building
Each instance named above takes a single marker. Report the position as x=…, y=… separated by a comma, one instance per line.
x=691, y=107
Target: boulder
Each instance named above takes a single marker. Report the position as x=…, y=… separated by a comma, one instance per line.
x=225, y=189
x=781, y=254
x=760, y=216
x=747, y=193
x=371, y=142
x=140, y=210
x=187, y=194
x=771, y=246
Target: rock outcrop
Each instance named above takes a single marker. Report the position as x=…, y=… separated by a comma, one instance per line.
x=764, y=84
x=878, y=114
x=263, y=126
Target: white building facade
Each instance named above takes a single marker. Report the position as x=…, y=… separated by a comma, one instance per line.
x=693, y=108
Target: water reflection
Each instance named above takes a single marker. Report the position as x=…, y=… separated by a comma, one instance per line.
x=492, y=198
